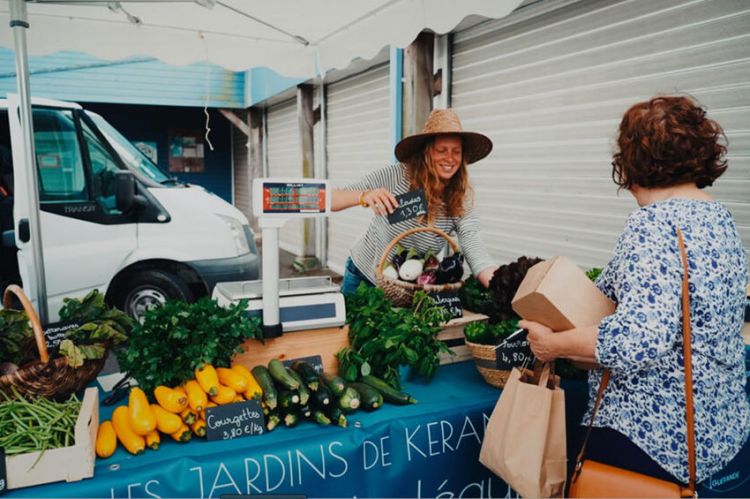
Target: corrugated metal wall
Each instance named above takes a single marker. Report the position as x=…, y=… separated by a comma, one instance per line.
x=358, y=133
x=139, y=80
x=550, y=91
x=285, y=160
x=242, y=180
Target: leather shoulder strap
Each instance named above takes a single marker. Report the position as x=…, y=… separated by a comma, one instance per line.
x=688, y=366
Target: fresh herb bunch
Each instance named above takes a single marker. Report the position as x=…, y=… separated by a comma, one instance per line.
x=16, y=338
x=383, y=338
x=490, y=334
x=177, y=337
x=475, y=297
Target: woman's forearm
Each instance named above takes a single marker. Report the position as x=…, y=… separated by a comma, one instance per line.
x=342, y=199
x=577, y=344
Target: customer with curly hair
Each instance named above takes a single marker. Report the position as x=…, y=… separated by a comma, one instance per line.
x=668, y=152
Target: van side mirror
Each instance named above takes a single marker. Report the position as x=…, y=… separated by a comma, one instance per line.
x=124, y=190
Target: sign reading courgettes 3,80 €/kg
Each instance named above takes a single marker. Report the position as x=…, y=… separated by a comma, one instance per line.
x=240, y=419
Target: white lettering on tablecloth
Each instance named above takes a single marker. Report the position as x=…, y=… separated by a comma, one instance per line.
x=481, y=489
x=437, y=437
x=377, y=453
x=133, y=490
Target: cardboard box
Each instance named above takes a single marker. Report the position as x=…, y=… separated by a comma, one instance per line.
x=71, y=463
x=558, y=294
x=453, y=336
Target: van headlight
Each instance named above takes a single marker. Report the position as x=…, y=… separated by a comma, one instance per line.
x=238, y=235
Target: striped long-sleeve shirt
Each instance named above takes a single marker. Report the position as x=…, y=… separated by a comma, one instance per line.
x=368, y=250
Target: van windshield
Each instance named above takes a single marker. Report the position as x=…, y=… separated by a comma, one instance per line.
x=129, y=153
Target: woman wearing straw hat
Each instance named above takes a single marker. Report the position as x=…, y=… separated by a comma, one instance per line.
x=434, y=160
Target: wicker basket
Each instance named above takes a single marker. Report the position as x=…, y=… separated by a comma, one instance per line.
x=401, y=293
x=44, y=377
x=485, y=361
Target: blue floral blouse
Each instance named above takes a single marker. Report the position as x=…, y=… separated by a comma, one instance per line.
x=642, y=341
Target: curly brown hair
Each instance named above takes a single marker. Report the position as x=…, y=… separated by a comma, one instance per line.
x=668, y=141
x=423, y=174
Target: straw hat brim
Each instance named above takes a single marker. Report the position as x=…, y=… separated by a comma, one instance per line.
x=475, y=145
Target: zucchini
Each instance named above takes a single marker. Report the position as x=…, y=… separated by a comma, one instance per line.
x=272, y=421
x=263, y=377
x=288, y=399
x=389, y=393
x=323, y=396
x=304, y=393
x=281, y=375
x=370, y=397
x=335, y=383
x=304, y=410
x=349, y=400
x=336, y=415
x=307, y=373
x=320, y=418
x=291, y=419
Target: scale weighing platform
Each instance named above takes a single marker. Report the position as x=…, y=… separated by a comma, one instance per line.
x=287, y=304
x=304, y=302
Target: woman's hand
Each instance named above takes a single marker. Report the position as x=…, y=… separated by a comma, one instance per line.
x=485, y=276
x=540, y=340
x=381, y=200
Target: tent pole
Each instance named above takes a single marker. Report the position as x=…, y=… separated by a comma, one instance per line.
x=19, y=24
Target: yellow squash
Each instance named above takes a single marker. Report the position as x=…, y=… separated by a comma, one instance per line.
x=133, y=443
x=153, y=440
x=197, y=398
x=166, y=422
x=182, y=435
x=106, y=440
x=199, y=427
x=232, y=379
x=253, y=389
x=188, y=416
x=171, y=400
x=224, y=395
x=142, y=420
x=207, y=378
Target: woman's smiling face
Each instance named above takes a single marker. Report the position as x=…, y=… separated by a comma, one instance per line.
x=446, y=154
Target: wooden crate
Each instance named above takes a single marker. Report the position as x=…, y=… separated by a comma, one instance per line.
x=453, y=335
x=324, y=342
x=72, y=463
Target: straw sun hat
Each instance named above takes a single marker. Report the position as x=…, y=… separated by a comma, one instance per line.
x=444, y=122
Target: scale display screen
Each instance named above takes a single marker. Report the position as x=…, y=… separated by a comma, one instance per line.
x=294, y=197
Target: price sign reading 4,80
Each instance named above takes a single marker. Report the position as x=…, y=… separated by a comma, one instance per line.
x=287, y=197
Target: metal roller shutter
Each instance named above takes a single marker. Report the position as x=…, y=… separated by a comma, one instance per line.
x=550, y=89
x=358, y=134
x=285, y=160
x=241, y=170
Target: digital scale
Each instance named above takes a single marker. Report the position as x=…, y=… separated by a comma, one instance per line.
x=287, y=304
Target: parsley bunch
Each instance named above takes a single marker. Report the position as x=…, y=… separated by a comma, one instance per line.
x=177, y=337
x=383, y=338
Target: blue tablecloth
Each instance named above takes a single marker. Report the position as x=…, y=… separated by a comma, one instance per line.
x=422, y=450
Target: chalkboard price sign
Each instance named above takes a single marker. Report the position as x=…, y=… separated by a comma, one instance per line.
x=239, y=419
x=450, y=301
x=513, y=354
x=410, y=205
x=316, y=361
x=55, y=332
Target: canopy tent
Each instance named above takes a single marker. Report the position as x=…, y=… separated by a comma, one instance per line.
x=299, y=38
x=293, y=37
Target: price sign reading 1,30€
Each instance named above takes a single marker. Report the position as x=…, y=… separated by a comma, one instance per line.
x=289, y=197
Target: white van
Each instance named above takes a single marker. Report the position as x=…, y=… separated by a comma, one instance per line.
x=110, y=218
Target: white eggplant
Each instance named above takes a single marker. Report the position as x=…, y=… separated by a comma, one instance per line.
x=390, y=272
x=410, y=270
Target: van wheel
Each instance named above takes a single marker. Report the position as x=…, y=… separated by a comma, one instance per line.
x=150, y=288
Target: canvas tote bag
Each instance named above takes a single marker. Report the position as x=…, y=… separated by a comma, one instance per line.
x=594, y=479
x=524, y=443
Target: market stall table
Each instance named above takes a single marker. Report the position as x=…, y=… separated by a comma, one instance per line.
x=421, y=450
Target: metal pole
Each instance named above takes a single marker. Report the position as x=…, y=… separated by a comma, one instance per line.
x=19, y=24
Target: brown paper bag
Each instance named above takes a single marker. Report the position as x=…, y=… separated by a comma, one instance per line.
x=524, y=443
